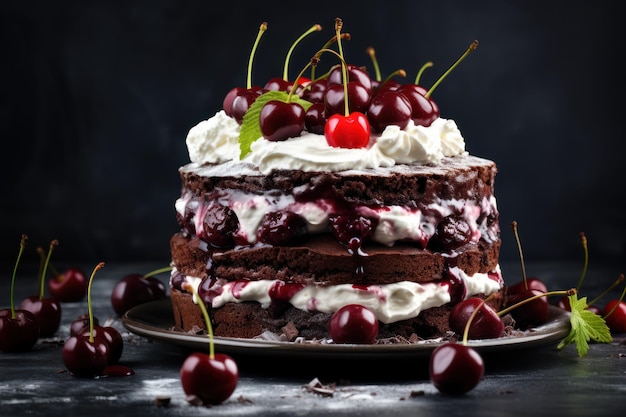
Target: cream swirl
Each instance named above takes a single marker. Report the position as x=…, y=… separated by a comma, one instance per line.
x=216, y=140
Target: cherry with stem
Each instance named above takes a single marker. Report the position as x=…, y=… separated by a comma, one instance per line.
x=208, y=379
x=47, y=310
x=614, y=313
x=19, y=330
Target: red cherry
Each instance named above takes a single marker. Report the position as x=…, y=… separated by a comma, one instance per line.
x=424, y=110
x=135, y=289
x=84, y=357
x=47, y=312
x=387, y=109
x=486, y=324
x=617, y=319
x=353, y=323
x=281, y=120
x=530, y=284
x=112, y=337
x=355, y=73
x=315, y=118
x=68, y=287
x=211, y=380
x=455, y=368
x=531, y=313
x=358, y=99
x=19, y=332
x=351, y=131
x=80, y=323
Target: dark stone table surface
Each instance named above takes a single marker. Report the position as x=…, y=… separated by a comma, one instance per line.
x=537, y=381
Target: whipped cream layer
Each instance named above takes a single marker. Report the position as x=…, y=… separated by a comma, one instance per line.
x=390, y=303
x=216, y=141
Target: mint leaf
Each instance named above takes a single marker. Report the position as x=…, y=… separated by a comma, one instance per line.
x=586, y=326
x=250, y=125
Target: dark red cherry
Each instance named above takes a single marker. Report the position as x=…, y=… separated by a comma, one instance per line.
x=218, y=226
x=68, y=287
x=209, y=380
x=617, y=319
x=280, y=120
x=455, y=369
x=356, y=75
x=388, y=85
x=113, y=339
x=315, y=91
x=238, y=101
x=389, y=109
x=530, y=313
x=486, y=324
x=315, y=118
x=358, y=99
x=424, y=110
x=278, y=84
x=452, y=232
x=530, y=283
x=47, y=312
x=81, y=323
x=351, y=131
x=135, y=289
x=351, y=229
x=353, y=323
x=84, y=357
x=281, y=228
x=19, y=331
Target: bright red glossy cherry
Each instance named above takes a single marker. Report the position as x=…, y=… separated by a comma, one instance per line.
x=210, y=380
x=455, y=368
x=617, y=319
x=281, y=120
x=351, y=131
x=353, y=323
x=19, y=331
x=68, y=287
x=135, y=289
x=486, y=324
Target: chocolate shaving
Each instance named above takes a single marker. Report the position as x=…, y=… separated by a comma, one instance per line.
x=315, y=386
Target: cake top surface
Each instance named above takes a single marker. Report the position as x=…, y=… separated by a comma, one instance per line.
x=342, y=120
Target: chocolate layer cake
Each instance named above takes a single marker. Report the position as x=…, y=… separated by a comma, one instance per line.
x=291, y=209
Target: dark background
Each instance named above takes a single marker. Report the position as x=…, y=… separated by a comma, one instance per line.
x=97, y=98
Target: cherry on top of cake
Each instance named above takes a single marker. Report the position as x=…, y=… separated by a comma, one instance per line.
x=344, y=104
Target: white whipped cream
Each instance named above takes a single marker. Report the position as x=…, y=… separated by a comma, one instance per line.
x=390, y=303
x=216, y=141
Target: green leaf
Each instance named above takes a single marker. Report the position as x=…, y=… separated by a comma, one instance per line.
x=586, y=326
x=250, y=126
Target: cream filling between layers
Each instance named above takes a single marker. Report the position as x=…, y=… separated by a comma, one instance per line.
x=390, y=303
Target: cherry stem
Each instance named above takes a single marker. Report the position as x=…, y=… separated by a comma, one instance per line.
x=344, y=68
x=569, y=292
x=400, y=72
x=471, y=318
x=89, y=304
x=372, y=53
x=158, y=271
x=207, y=320
x=471, y=48
x=583, y=240
x=294, y=87
x=344, y=36
x=421, y=71
x=521, y=254
x=621, y=297
x=17, y=261
x=42, y=277
x=42, y=260
x=314, y=28
x=262, y=30
x=619, y=279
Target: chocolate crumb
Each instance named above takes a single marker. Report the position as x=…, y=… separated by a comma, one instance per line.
x=243, y=400
x=290, y=331
x=193, y=400
x=317, y=387
x=414, y=394
x=162, y=401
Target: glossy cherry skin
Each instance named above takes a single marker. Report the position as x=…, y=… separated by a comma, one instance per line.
x=531, y=313
x=485, y=325
x=389, y=109
x=315, y=118
x=353, y=323
x=84, y=358
x=424, y=110
x=19, y=333
x=334, y=97
x=68, y=287
x=113, y=339
x=80, y=323
x=135, y=289
x=238, y=101
x=355, y=73
x=211, y=380
x=617, y=319
x=278, y=84
x=47, y=312
x=455, y=369
x=351, y=131
x=280, y=120
x=531, y=284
